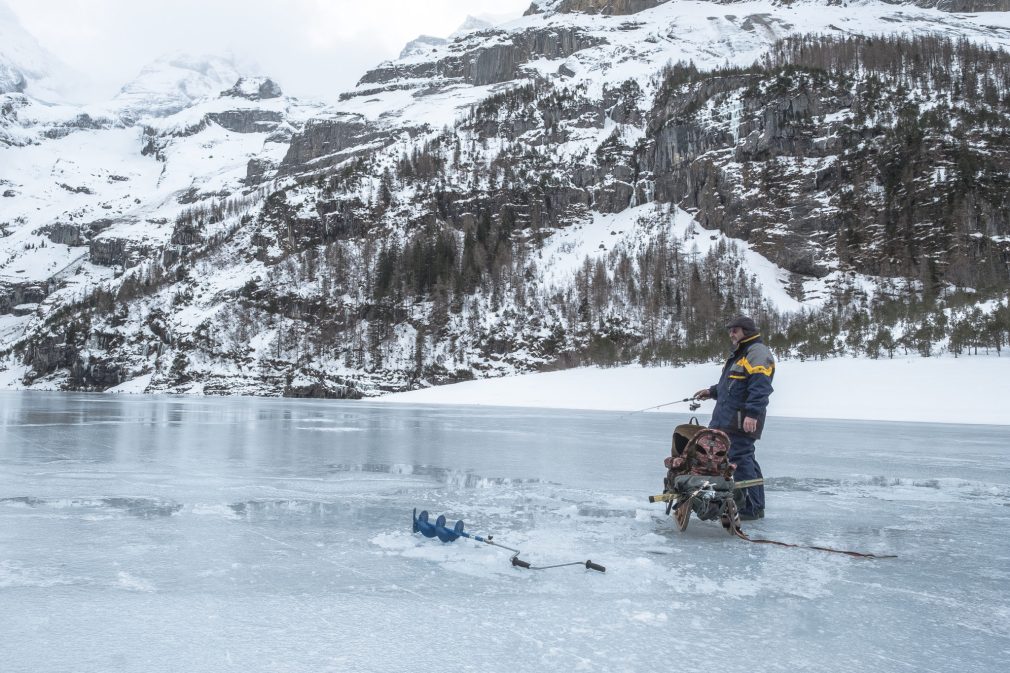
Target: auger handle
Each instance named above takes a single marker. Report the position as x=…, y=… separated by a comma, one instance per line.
x=595, y=566
x=516, y=561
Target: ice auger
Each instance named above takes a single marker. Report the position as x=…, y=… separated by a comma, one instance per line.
x=440, y=530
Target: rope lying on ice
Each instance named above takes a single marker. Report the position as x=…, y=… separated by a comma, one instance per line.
x=732, y=522
x=856, y=554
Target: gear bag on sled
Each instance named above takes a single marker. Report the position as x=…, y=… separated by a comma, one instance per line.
x=699, y=479
x=699, y=476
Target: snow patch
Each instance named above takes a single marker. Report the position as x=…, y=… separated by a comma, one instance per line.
x=136, y=386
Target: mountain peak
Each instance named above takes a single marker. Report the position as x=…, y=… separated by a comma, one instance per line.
x=472, y=23
x=421, y=45
x=176, y=80
x=424, y=43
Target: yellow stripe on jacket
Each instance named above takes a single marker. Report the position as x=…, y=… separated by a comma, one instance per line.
x=755, y=369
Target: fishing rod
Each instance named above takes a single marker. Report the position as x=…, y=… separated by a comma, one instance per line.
x=694, y=406
x=439, y=529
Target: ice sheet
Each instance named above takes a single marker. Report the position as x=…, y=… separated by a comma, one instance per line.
x=142, y=534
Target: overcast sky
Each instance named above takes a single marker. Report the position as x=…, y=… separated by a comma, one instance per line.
x=313, y=48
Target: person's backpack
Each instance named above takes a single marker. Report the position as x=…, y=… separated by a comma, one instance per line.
x=700, y=451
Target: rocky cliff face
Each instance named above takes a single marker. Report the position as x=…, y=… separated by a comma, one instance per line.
x=488, y=57
x=964, y=5
x=858, y=171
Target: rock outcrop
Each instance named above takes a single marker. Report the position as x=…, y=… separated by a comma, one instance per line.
x=607, y=7
x=331, y=140
x=254, y=88
x=247, y=120
x=489, y=57
x=15, y=294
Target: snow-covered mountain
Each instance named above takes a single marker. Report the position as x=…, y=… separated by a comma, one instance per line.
x=173, y=83
x=596, y=181
x=89, y=191
x=25, y=66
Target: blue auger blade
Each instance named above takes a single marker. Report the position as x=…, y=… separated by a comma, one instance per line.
x=422, y=525
x=446, y=534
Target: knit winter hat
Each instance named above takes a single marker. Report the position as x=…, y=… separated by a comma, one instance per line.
x=746, y=324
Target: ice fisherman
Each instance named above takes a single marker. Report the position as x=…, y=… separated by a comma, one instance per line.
x=741, y=400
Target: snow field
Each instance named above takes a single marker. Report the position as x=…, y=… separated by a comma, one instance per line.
x=972, y=389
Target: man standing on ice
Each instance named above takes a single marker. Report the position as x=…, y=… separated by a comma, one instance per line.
x=741, y=401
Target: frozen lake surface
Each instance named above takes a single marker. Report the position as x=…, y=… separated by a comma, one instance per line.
x=156, y=535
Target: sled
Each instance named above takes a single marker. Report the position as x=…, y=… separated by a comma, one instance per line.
x=699, y=478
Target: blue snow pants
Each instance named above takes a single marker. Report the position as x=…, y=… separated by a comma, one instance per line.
x=741, y=452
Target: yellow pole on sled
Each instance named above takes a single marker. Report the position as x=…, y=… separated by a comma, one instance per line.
x=667, y=497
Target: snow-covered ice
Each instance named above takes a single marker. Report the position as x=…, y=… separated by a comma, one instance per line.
x=156, y=534
x=974, y=389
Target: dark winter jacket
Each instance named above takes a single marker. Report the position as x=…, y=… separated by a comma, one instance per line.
x=744, y=387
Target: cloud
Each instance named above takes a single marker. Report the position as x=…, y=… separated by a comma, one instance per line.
x=314, y=48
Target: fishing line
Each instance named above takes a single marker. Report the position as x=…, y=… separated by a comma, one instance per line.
x=694, y=405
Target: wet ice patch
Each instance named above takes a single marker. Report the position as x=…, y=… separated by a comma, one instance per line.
x=125, y=580
x=462, y=556
x=647, y=617
x=569, y=511
x=145, y=508
x=14, y=575
x=884, y=484
x=325, y=429
x=652, y=543
x=725, y=586
x=214, y=510
x=454, y=478
x=289, y=509
x=595, y=511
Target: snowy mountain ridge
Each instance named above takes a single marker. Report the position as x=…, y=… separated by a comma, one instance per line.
x=573, y=186
x=589, y=49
